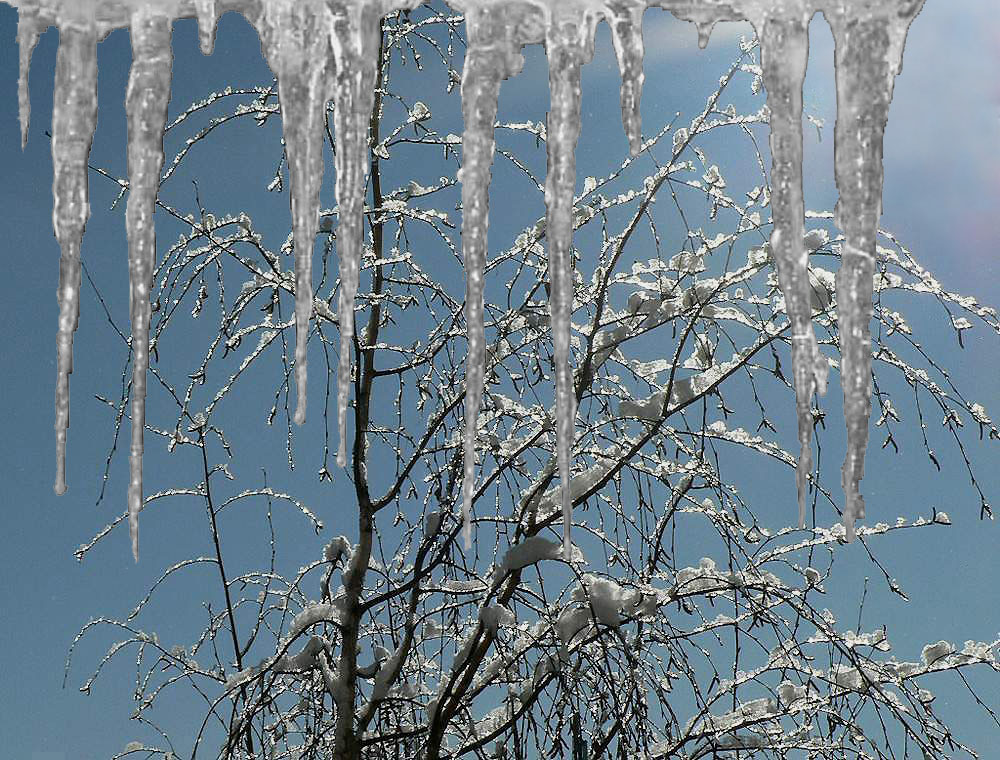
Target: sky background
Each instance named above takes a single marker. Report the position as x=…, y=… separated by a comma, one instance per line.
x=941, y=195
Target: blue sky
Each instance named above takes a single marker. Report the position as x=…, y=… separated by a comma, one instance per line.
x=941, y=194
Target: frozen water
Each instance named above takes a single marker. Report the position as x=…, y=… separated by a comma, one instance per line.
x=294, y=37
x=146, y=108
x=357, y=44
x=784, y=53
x=28, y=31
x=206, y=24
x=868, y=55
x=491, y=57
x=320, y=49
x=569, y=43
x=74, y=117
x=625, y=19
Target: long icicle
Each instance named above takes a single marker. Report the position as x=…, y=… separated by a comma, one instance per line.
x=146, y=107
x=297, y=46
x=490, y=58
x=569, y=44
x=785, y=52
x=626, y=34
x=868, y=56
x=356, y=36
x=74, y=118
x=29, y=29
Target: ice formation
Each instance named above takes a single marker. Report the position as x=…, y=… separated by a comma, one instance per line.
x=784, y=53
x=146, y=109
x=74, y=117
x=569, y=42
x=323, y=49
x=869, y=53
x=492, y=56
x=294, y=36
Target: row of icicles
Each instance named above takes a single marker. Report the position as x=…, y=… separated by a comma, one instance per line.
x=346, y=38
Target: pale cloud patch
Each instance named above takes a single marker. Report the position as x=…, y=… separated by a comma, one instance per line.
x=667, y=38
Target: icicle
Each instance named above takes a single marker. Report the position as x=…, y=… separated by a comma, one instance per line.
x=704, y=33
x=868, y=54
x=785, y=51
x=297, y=47
x=146, y=108
x=569, y=43
x=29, y=29
x=490, y=58
x=74, y=117
x=356, y=36
x=207, y=20
x=626, y=33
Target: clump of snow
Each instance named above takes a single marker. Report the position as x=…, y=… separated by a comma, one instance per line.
x=605, y=596
x=531, y=550
x=571, y=622
x=979, y=414
x=315, y=613
x=845, y=676
x=337, y=549
x=494, y=616
x=389, y=668
x=933, y=652
x=755, y=709
x=705, y=577
x=980, y=650
x=789, y=692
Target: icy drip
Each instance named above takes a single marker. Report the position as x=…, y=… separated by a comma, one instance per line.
x=785, y=52
x=74, y=117
x=868, y=55
x=29, y=29
x=146, y=108
x=490, y=59
x=357, y=38
x=625, y=19
x=296, y=39
x=569, y=44
x=206, y=24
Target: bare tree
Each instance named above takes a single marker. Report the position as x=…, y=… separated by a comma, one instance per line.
x=399, y=643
